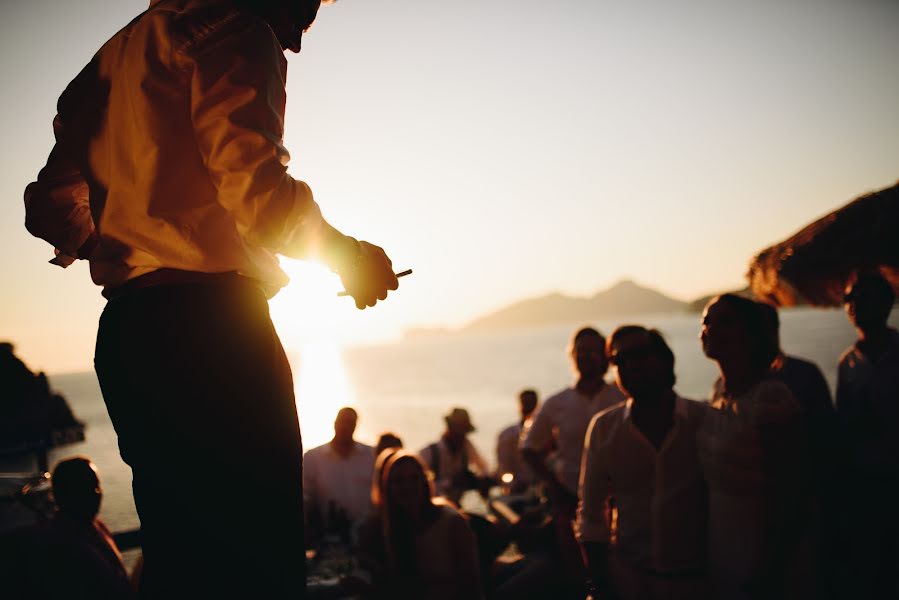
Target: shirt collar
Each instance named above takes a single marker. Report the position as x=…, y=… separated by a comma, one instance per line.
x=352, y=452
x=680, y=408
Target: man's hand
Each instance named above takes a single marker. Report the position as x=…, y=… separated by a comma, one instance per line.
x=370, y=277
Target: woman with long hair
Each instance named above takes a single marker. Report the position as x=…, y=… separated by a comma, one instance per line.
x=425, y=547
x=750, y=449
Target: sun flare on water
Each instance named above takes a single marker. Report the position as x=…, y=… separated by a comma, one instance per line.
x=308, y=316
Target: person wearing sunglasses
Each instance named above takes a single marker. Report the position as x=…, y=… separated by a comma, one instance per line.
x=643, y=452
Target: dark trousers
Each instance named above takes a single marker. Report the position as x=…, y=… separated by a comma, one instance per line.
x=200, y=393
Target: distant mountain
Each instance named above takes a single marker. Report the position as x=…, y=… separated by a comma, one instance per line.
x=623, y=298
x=699, y=304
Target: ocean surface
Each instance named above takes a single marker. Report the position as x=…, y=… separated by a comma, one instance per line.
x=408, y=386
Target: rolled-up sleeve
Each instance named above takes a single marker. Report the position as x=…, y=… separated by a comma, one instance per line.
x=594, y=489
x=57, y=205
x=237, y=107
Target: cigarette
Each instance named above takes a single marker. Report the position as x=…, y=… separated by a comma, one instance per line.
x=398, y=275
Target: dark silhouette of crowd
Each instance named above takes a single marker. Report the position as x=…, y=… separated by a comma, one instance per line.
x=610, y=490
x=627, y=490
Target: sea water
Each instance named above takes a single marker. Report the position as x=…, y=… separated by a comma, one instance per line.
x=408, y=387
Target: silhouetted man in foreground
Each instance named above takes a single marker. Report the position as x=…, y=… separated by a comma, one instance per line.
x=868, y=412
x=169, y=176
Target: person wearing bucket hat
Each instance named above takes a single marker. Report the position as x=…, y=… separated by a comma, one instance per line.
x=455, y=463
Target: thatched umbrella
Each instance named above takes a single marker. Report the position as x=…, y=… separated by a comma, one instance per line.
x=813, y=265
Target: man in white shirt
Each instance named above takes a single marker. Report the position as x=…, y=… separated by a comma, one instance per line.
x=169, y=176
x=456, y=464
x=643, y=453
x=337, y=481
x=508, y=459
x=563, y=420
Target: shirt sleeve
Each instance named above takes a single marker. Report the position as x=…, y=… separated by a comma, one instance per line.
x=57, y=205
x=237, y=106
x=540, y=432
x=594, y=489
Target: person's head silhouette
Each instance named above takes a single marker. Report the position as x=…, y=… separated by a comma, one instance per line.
x=868, y=301
x=588, y=353
x=289, y=19
x=527, y=403
x=76, y=489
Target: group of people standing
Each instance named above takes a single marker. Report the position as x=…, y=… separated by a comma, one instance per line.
x=768, y=490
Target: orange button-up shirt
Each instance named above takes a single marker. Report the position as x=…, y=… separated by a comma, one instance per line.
x=169, y=151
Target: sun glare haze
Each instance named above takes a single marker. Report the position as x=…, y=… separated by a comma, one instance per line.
x=314, y=325
x=308, y=309
x=322, y=388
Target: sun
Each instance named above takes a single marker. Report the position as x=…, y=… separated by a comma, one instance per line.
x=312, y=324
x=308, y=310
x=322, y=388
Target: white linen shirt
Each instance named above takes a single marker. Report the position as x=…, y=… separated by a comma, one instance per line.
x=329, y=477
x=661, y=495
x=169, y=150
x=565, y=417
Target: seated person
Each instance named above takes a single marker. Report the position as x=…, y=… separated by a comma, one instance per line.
x=337, y=481
x=418, y=547
x=73, y=554
x=456, y=464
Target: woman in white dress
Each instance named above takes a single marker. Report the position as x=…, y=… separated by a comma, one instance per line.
x=750, y=449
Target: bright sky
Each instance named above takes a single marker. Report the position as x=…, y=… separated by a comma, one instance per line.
x=507, y=148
